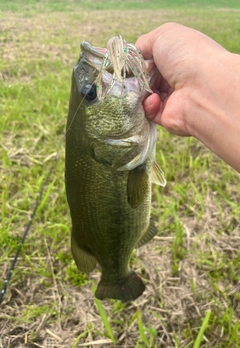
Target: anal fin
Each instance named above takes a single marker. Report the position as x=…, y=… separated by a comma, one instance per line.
x=84, y=261
x=148, y=235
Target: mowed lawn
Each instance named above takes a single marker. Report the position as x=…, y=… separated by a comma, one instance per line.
x=192, y=268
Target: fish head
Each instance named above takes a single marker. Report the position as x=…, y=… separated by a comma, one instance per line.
x=111, y=85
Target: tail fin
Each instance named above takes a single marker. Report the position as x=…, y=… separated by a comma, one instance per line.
x=127, y=289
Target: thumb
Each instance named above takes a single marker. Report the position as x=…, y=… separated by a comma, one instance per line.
x=152, y=107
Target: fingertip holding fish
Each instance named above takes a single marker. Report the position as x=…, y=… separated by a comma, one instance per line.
x=151, y=105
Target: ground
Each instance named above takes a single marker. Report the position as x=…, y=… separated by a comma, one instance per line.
x=191, y=268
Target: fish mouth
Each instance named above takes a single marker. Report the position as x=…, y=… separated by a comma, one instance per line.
x=124, y=62
x=96, y=52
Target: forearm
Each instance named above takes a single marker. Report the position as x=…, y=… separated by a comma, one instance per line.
x=216, y=122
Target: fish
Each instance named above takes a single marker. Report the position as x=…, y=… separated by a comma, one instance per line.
x=110, y=164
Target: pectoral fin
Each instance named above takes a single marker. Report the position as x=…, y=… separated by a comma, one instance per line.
x=84, y=261
x=137, y=187
x=148, y=235
x=158, y=175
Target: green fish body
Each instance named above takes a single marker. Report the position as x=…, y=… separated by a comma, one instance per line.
x=110, y=167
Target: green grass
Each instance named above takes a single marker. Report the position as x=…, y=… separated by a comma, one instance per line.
x=104, y=318
x=199, y=338
x=191, y=268
x=27, y=6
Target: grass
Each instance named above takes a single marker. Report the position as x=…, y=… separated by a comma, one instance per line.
x=31, y=6
x=199, y=338
x=191, y=268
x=104, y=318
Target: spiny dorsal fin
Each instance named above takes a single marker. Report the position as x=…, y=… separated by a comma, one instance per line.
x=158, y=175
x=137, y=187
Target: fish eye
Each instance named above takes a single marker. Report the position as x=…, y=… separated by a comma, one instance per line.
x=89, y=92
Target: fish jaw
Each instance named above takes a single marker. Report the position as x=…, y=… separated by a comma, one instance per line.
x=123, y=61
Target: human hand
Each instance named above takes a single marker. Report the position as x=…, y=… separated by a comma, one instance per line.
x=197, y=90
x=185, y=59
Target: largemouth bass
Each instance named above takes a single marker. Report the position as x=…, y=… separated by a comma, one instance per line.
x=110, y=164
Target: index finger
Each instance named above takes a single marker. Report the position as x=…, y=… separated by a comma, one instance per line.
x=145, y=44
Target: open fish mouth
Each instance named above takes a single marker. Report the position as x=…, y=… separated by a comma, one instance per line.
x=118, y=63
